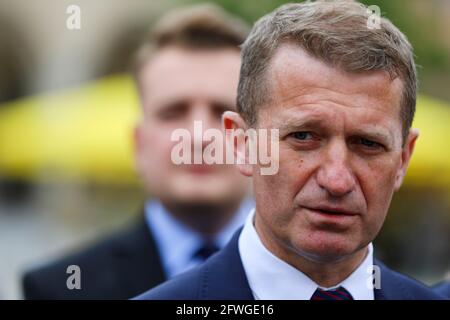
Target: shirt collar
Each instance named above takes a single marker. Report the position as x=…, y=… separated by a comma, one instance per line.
x=177, y=243
x=287, y=282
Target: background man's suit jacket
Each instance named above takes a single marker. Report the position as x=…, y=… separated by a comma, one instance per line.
x=120, y=267
x=222, y=277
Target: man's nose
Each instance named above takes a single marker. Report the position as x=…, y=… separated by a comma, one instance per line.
x=335, y=174
x=204, y=118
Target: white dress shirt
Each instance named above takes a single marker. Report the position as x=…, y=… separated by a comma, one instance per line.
x=177, y=243
x=271, y=278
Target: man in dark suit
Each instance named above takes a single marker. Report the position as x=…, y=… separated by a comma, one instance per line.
x=222, y=277
x=443, y=288
x=333, y=98
x=186, y=70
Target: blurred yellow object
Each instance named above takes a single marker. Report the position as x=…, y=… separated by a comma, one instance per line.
x=86, y=133
x=430, y=163
x=81, y=133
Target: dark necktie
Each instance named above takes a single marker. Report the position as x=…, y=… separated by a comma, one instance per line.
x=206, y=251
x=338, y=294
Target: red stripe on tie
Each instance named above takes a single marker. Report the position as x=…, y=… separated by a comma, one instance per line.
x=331, y=295
x=345, y=293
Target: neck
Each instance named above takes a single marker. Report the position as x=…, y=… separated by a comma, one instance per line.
x=329, y=274
x=324, y=272
x=206, y=219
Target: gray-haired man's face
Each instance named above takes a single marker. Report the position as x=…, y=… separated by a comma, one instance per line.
x=340, y=157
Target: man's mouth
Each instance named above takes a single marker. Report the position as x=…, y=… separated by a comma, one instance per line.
x=200, y=169
x=335, y=211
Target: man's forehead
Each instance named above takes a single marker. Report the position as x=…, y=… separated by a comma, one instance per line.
x=293, y=72
x=178, y=57
x=295, y=78
x=175, y=73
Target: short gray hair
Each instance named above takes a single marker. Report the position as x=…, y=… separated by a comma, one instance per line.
x=335, y=32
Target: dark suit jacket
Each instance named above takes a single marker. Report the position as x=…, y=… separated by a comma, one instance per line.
x=120, y=267
x=222, y=277
x=443, y=288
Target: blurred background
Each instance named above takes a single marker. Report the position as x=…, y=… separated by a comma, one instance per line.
x=68, y=106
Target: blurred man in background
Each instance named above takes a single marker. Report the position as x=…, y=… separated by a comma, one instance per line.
x=186, y=71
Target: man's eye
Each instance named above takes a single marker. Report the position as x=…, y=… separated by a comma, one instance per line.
x=169, y=115
x=370, y=144
x=301, y=135
x=172, y=113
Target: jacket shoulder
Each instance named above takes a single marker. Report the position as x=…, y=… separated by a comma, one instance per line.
x=46, y=281
x=418, y=290
x=96, y=264
x=182, y=287
x=443, y=289
x=397, y=286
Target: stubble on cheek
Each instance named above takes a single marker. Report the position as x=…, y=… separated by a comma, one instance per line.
x=378, y=190
x=275, y=206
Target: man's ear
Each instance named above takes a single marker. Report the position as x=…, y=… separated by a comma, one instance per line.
x=234, y=126
x=407, y=152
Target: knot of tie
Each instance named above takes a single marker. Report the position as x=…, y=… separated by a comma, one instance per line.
x=338, y=294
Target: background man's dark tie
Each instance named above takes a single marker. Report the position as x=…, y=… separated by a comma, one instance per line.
x=338, y=294
x=206, y=251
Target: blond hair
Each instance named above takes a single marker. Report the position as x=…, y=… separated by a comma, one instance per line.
x=203, y=26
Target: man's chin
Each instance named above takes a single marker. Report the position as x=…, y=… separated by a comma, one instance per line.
x=199, y=194
x=193, y=198
x=327, y=250
x=200, y=190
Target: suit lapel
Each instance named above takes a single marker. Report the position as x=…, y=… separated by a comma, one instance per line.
x=137, y=260
x=391, y=287
x=223, y=276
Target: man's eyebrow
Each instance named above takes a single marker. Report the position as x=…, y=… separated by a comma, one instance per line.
x=295, y=123
x=299, y=123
